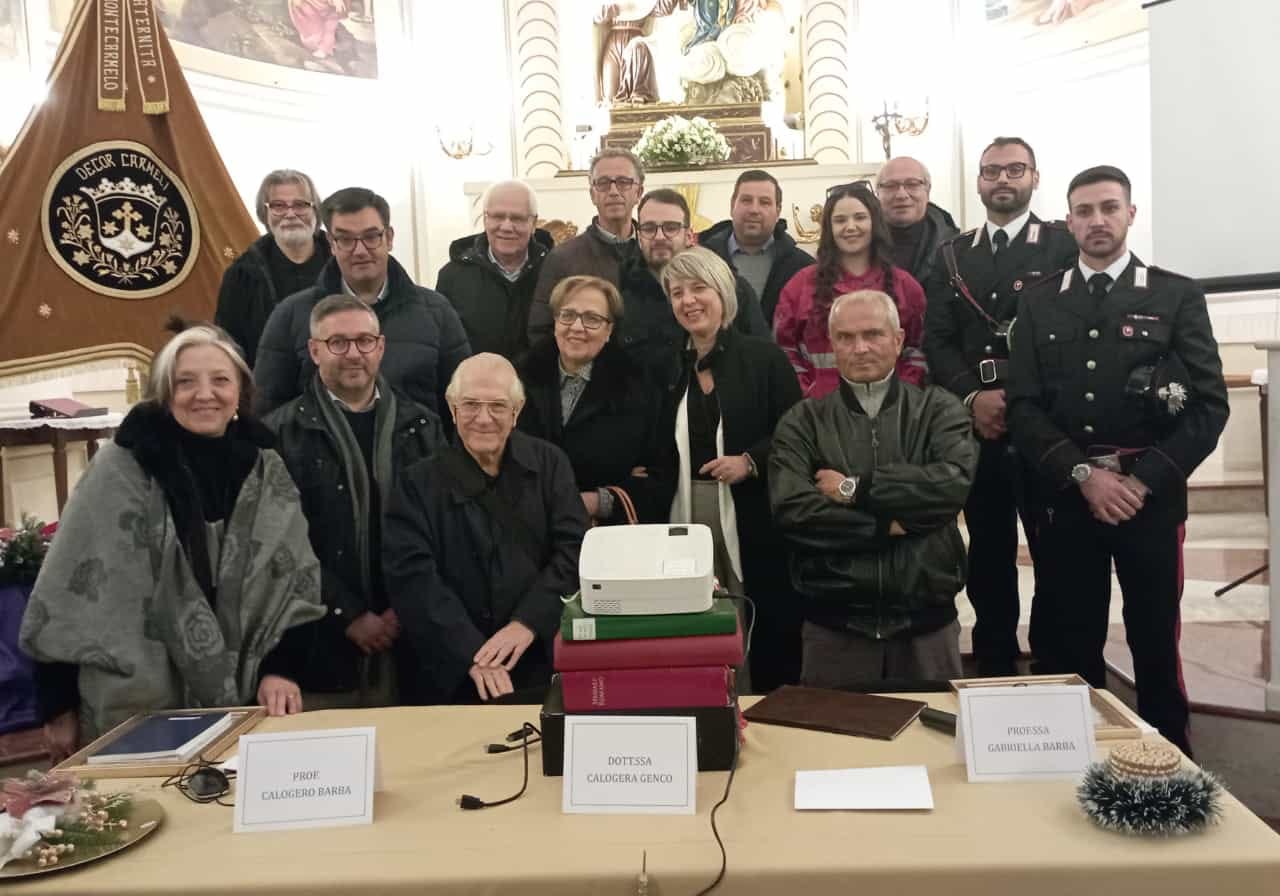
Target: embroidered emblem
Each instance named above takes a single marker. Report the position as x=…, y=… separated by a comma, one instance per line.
x=977, y=237
x=1066, y=280
x=1140, y=278
x=13, y=237
x=228, y=252
x=1127, y=330
x=118, y=221
x=45, y=311
x=1033, y=233
x=1017, y=286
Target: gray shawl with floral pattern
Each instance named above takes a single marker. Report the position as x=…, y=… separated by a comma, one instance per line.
x=116, y=595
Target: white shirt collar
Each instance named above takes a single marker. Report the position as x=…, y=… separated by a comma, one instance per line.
x=1115, y=269
x=382, y=293
x=1013, y=228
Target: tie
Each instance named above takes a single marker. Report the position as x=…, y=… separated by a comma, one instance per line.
x=1098, y=284
x=1000, y=240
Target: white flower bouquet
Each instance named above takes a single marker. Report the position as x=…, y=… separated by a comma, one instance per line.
x=679, y=140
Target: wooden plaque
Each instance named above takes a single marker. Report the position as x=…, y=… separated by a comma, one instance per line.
x=1109, y=722
x=78, y=762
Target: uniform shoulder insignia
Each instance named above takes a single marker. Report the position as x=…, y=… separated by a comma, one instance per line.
x=1165, y=272
x=1056, y=225
x=961, y=237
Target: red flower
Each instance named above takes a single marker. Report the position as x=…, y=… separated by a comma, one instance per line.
x=6, y=534
x=46, y=532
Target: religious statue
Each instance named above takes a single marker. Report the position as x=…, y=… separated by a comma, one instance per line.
x=626, y=61
x=713, y=16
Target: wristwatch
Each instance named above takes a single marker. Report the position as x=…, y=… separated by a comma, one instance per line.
x=1080, y=473
x=848, y=486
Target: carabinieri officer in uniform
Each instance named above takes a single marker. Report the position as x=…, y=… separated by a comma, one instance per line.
x=972, y=296
x=1115, y=396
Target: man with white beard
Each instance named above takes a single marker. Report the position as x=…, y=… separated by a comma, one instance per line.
x=287, y=259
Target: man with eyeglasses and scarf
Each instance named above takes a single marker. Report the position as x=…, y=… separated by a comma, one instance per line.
x=424, y=337
x=972, y=299
x=615, y=180
x=345, y=441
x=649, y=333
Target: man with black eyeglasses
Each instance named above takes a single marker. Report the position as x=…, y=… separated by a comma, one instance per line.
x=425, y=339
x=491, y=276
x=278, y=264
x=972, y=299
x=648, y=332
x=917, y=225
x=344, y=441
x=616, y=180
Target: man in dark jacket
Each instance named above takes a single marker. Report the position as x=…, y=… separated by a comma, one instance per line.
x=755, y=241
x=424, y=339
x=648, y=332
x=288, y=258
x=973, y=298
x=918, y=226
x=491, y=276
x=481, y=542
x=616, y=180
x=866, y=484
x=344, y=442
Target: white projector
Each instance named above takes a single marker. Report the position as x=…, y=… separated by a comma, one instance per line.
x=632, y=570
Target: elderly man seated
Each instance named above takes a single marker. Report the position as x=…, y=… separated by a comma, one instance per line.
x=866, y=484
x=481, y=541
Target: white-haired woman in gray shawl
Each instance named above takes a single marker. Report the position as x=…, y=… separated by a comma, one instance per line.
x=181, y=574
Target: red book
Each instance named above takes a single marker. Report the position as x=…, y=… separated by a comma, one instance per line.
x=594, y=690
x=649, y=653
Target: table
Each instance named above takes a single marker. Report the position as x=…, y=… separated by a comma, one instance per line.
x=988, y=839
x=57, y=433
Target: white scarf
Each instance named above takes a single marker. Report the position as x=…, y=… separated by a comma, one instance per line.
x=682, y=505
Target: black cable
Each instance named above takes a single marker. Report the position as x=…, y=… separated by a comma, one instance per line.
x=724, y=856
x=467, y=801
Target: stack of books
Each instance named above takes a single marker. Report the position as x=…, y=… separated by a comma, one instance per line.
x=678, y=664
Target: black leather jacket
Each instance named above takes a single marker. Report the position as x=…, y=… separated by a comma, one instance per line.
x=915, y=461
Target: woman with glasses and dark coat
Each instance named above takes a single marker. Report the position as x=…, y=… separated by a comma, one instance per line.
x=726, y=394
x=585, y=395
x=855, y=252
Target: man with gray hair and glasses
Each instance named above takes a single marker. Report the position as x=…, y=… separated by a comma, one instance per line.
x=917, y=225
x=491, y=275
x=615, y=180
x=286, y=259
x=865, y=485
x=481, y=542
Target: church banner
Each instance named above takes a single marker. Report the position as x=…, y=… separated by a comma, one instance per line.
x=118, y=211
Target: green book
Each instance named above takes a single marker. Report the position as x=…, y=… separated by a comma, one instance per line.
x=578, y=625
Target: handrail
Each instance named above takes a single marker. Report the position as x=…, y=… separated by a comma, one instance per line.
x=1240, y=282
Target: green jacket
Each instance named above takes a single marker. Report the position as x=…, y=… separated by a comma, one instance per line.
x=915, y=461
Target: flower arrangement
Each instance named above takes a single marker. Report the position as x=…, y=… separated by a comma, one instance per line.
x=679, y=140
x=48, y=815
x=22, y=551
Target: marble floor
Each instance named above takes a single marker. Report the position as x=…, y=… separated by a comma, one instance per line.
x=1224, y=639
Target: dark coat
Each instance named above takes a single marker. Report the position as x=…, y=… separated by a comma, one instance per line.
x=587, y=253
x=957, y=337
x=425, y=340
x=788, y=259
x=455, y=576
x=649, y=332
x=314, y=461
x=493, y=309
x=915, y=461
x=614, y=427
x=1069, y=366
x=248, y=294
x=939, y=227
x=756, y=386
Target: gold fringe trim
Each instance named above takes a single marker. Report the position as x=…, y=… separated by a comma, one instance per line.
x=156, y=108
x=116, y=356
x=105, y=105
